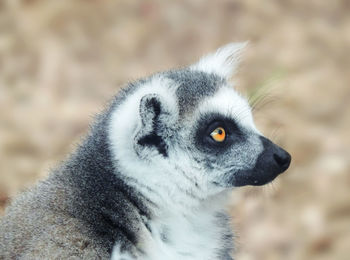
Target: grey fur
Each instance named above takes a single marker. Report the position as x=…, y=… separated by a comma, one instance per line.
x=90, y=204
x=80, y=210
x=193, y=86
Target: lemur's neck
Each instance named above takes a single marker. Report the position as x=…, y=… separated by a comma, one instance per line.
x=112, y=209
x=182, y=234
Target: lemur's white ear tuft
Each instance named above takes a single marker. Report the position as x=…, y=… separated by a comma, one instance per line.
x=223, y=62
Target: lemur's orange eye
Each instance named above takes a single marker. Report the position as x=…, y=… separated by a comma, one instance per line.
x=218, y=134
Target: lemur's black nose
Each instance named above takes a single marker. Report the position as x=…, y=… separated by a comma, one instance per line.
x=282, y=158
x=274, y=157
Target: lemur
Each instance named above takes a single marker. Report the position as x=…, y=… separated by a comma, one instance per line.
x=152, y=178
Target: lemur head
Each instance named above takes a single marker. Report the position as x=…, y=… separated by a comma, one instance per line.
x=189, y=132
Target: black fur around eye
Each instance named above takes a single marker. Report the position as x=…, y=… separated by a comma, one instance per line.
x=209, y=124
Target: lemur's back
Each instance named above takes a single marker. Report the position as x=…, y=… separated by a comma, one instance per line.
x=35, y=228
x=60, y=219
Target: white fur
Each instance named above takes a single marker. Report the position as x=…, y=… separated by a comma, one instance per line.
x=117, y=254
x=223, y=62
x=187, y=211
x=193, y=236
x=125, y=124
x=190, y=220
x=230, y=103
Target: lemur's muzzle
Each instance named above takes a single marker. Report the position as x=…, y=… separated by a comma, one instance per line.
x=270, y=163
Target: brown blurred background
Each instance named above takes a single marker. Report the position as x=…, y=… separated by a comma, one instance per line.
x=60, y=61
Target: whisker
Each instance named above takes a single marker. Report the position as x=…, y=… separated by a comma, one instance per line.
x=261, y=95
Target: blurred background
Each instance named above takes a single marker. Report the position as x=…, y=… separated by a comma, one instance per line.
x=61, y=61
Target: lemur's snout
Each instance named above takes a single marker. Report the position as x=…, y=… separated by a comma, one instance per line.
x=272, y=161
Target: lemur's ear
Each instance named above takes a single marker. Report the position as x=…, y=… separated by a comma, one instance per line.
x=152, y=112
x=223, y=62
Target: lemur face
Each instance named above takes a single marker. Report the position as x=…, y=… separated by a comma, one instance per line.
x=188, y=130
x=217, y=132
x=227, y=142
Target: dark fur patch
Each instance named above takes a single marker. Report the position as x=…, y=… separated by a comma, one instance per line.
x=207, y=124
x=153, y=106
x=154, y=140
x=193, y=87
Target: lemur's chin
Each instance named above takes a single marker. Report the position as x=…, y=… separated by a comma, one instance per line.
x=255, y=177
